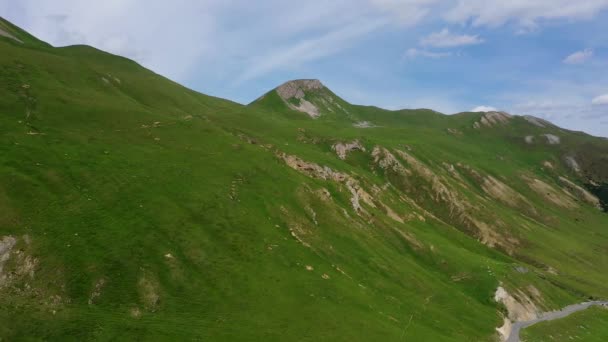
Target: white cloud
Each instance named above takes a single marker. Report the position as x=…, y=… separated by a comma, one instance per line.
x=407, y=12
x=484, y=109
x=525, y=13
x=237, y=39
x=600, y=100
x=444, y=38
x=414, y=53
x=579, y=57
x=132, y=28
x=307, y=50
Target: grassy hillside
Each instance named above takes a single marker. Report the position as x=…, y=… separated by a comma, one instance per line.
x=585, y=326
x=134, y=208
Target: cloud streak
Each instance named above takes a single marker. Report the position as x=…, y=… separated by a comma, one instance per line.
x=579, y=57
x=527, y=14
x=414, y=53
x=445, y=38
x=600, y=100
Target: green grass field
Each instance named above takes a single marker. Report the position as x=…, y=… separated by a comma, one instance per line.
x=589, y=326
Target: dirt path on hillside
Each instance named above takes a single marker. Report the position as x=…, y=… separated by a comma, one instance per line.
x=549, y=316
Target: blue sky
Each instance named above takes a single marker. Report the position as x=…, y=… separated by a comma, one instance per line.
x=547, y=58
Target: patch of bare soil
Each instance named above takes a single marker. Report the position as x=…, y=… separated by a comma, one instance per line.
x=502, y=192
x=364, y=124
x=149, y=292
x=22, y=265
x=580, y=193
x=454, y=131
x=550, y=194
x=96, y=290
x=460, y=209
x=391, y=213
x=548, y=165
x=538, y=122
x=18, y=275
x=8, y=35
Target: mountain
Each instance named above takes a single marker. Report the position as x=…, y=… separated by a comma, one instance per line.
x=137, y=209
x=306, y=96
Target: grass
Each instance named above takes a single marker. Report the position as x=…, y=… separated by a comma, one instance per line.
x=123, y=178
x=589, y=326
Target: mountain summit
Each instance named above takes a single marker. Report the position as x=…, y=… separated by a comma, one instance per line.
x=307, y=96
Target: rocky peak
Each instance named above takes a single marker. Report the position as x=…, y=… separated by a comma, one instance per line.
x=491, y=119
x=298, y=88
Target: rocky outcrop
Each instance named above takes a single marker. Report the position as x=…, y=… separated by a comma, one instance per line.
x=538, y=122
x=520, y=307
x=4, y=33
x=552, y=139
x=298, y=88
x=364, y=124
x=502, y=192
x=572, y=164
x=580, y=192
x=358, y=194
x=294, y=93
x=550, y=194
x=342, y=149
x=387, y=161
x=492, y=119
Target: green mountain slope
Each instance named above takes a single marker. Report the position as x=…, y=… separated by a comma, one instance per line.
x=134, y=208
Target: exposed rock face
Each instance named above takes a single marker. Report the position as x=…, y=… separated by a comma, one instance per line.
x=3, y=33
x=492, y=119
x=520, y=308
x=552, y=139
x=538, y=122
x=580, y=192
x=386, y=160
x=342, y=149
x=6, y=245
x=549, y=193
x=297, y=90
x=358, y=194
x=364, y=124
x=22, y=265
x=529, y=139
x=572, y=164
x=502, y=192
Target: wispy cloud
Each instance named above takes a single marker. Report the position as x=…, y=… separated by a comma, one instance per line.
x=600, y=100
x=414, y=53
x=406, y=12
x=579, y=57
x=494, y=13
x=445, y=38
x=308, y=49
